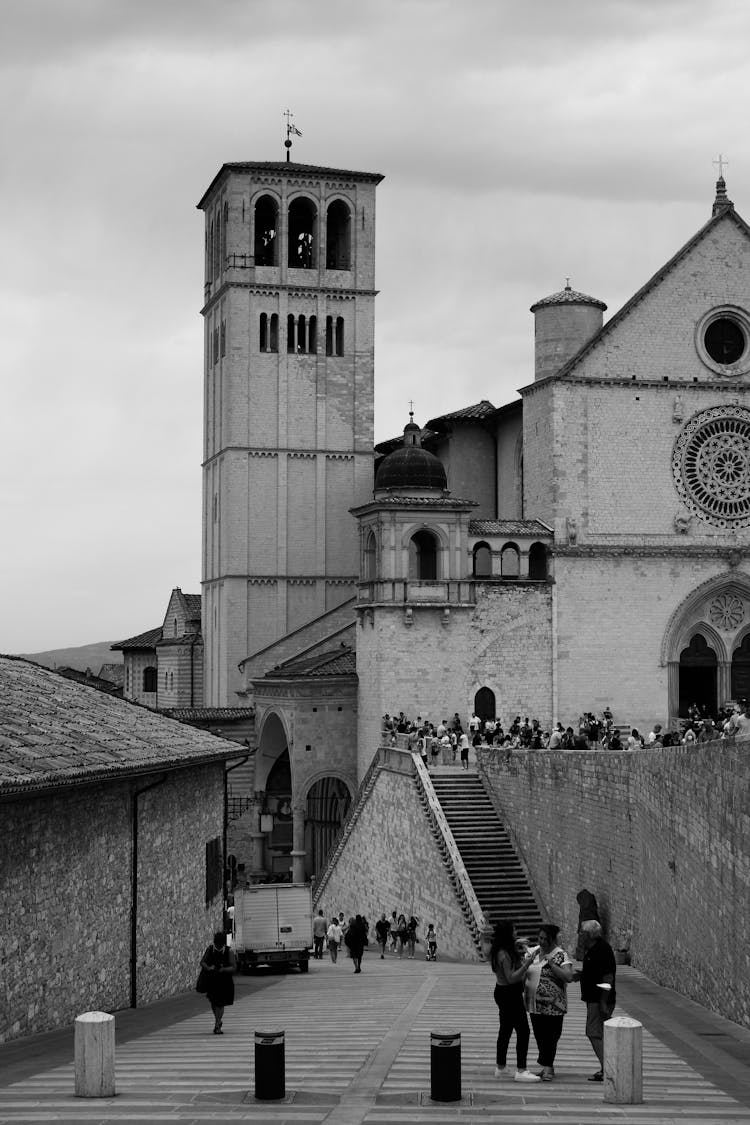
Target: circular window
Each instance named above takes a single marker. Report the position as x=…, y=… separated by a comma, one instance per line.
x=711, y=466
x=723, y=341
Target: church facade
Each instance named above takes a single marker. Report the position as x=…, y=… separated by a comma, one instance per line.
x=582, y=547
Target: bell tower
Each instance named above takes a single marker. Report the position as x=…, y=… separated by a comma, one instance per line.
x=289, y=310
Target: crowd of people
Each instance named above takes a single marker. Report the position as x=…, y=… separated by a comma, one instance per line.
x=449, y=740
x=395, y=933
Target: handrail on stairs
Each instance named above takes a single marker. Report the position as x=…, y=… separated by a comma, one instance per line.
x=480, y=923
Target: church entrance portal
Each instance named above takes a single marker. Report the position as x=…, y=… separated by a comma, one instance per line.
x=698, y=676
x=741, y=670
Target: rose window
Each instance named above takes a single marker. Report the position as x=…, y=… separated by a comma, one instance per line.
x=726, y=612
x=711, y=466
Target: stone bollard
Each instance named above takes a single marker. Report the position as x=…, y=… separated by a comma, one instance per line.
x=94, y=1048
x=623, y=1061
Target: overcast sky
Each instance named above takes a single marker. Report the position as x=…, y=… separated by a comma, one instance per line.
x=521, y=143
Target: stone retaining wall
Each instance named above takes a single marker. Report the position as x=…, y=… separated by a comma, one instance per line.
x=661, y=837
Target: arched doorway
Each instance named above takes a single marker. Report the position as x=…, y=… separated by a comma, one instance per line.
x=484, y=704
x=741, y=670
x=698, y=676
x=328, y=802
x=423, y=556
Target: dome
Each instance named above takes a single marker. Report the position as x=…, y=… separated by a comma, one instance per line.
x=411, y=468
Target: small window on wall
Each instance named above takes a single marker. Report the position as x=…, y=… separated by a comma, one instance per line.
x=149, y=679
x=370, y=559
x=268, y=335
x=302, y=335
x=334, y=335
x=213, y=869
x=510, y=561
x=216, y=346
x=223, y=347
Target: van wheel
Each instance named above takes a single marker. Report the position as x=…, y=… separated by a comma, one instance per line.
x=304, y=966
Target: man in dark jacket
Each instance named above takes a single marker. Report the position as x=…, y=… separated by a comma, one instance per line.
x=597, y=977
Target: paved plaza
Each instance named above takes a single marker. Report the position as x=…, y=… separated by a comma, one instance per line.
x=358, y=1051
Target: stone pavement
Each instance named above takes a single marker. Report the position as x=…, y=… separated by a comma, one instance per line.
x=358, y=1053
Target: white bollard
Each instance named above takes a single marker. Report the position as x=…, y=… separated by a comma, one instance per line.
x=623, y=1061
x=95, y=1055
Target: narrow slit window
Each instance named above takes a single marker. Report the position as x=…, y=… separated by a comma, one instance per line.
x=339, y=335
x=291, y=343
x=263, y=333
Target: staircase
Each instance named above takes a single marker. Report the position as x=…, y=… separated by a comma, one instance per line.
x=491, y=863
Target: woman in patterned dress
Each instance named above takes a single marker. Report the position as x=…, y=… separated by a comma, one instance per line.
x=549, y=974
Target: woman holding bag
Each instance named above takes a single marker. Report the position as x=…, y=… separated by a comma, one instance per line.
x=219, y=964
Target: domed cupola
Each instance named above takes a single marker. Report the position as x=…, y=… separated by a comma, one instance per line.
x=411, y=470
x=563, y=323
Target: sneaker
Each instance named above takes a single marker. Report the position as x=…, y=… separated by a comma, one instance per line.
x=501, y=1072
x=598, y=1077
x=525, y=1076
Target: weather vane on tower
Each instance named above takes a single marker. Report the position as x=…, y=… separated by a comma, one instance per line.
x=291, y=130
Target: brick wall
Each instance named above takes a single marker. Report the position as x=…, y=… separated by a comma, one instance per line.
x=392, y=843
x=661, y=837
x=65, y=866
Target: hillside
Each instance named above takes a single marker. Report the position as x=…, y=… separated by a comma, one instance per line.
x=83, y=657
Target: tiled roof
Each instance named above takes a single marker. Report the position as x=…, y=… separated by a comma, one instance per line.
x=340, y=662
x=55, y=732
x=210, y=714
x=568, y=296
x=89, y=679
x=508, y=527
x=115, y=673
x=142, y=640
x=475, y=413
x=289, y=168
x=193, y=605
x=419, y=502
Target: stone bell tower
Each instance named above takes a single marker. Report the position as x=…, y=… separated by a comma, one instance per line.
x=288, y=402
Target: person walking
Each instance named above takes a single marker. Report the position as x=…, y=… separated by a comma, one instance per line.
x=597, y=977
x=411, y=936
x=356, y=940
x=219, y=963
x=510, y=967
x=334, y=934
x=545, y=995
x=320, y=928
x=430, y=941
x=382, y=929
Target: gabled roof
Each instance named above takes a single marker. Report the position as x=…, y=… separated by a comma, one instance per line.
x=115, y=673
x=288, y=168
x=149, y=639
x=725, y=212
x=340, y=662
x=509, y=527
x=476, y=413
x=90, y=680
x=55, y=732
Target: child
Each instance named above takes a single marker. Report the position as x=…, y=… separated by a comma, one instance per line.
x=431, y=943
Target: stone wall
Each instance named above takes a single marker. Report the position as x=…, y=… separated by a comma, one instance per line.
x=65, y=873
x=391, y=862
x=661, y=837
